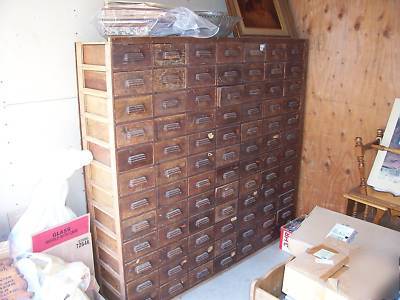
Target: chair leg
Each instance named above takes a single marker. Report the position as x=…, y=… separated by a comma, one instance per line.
x=378, y=216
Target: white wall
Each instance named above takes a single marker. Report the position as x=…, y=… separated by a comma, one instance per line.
x=38, y=97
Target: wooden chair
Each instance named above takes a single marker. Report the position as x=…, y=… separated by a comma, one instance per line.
x=366, y=196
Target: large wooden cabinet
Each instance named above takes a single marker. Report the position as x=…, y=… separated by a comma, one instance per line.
x=196, y=147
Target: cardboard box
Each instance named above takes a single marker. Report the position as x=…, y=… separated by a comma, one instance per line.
x=286, y=232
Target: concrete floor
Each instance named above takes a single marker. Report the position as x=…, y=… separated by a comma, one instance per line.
x=234, y=284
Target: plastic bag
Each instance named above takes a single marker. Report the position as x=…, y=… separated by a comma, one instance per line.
x=47, y=207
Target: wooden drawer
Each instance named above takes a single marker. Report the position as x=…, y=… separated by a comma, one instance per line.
x=201, y=221
x=266, y=238
x=247, y=233
x=251, y=111
x=246, y=248
x=289, y=168
x=224, y=261
x=202, y=53
x=249, y=184
x=274, y=89
x=267, y=208
x=173, y=54
x=202, y=238
x=274, y=71
x=169, y=103
x=270, y=192
x=287, y=184
x=287, y=199
x=292, y=104
x=174, y=252
x=172, y=213
x=266, y=223
x=292, y=120
x=140, y=246
x=284, y=215
x=138, y=226
x=254, y=52
x=142, y=266
x=291, y=137
x=201, y=98
x=273, y=125
x=227, y=192
x=171, y=193
x=132, y=83
x=272, y=108
x=228, y=136
x=201, y=256
x=171, y=171
x=253, y=72
x=276, y=52
x=227, y=174
x=137, y=204
x=250, y=167
x=252, y=148
x=170, y=127
x=225, y=244
x=225, y=227
x=248, y=218
x=144, y=288
x=273, y=158
x=295, y=51
x=173, y=270
x=203, y=76
x=171, y=149
x=293, y=88
x=201, y=203
x=272, y=141
x=201, y=273
x=254, y=91
x=229, y=52
x=136, y=181
x=251, y=130
x=200, y=163
x=249, y=200
x=171, y=79
x=127, y=57
x=202, y=142
x=227, y=155
x=230, y=95
x=294, y=70
x=173, y=288
x=173, y=233
x=201, y=183
x=133, y=108
x=270, y=176
x=229, y=74
x=228, y=115
x=225, y=211
x=200, y=120
x=290, y=152
x=134, y=133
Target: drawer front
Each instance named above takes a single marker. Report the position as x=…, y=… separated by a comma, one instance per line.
x=253, y=72
x=137, y=204
x=201, y=273
x=228, y=136
x=203, y=76
x=201, y=203
x=131, y=57
x=225, y=211
x=251, y=130
x=229, y=74
x=142, y=266
x=272, y=141
x=174, y=252
x=251, y=111
x=284, y=215
x=274, y=89
x=171, y=149
x=293, y=88
x=202, y=142
x=252, y=148
x=134, y=133
x=200, y=120
x=202, y=238
x=140, y=246
x=274, y=71
x=273, y=158
x=170, y=127
x=201, y=183
x=289, y=168
x=246, y=234
x=173, y=213
x=227, y=192
x=246, y=248
x=169, y=103
x=249, y=184
x=254, y=52
x=274, y=124
x=291, y=137
x=248, y=218
x=171, y=171
x=270, y=192
x=249, y=200
x=225, y=227
x=144, y=288
x=227, y=155
x=254, y=91
x=228, y=115
x=287, y=184
x=169, y=79
x=266, y=223
x=224, y=261
x=294, y=70
x=132, y=83
x=169, y=54
x=272, y=108
x=133, y=108
x=290, y=152
x=174, y=287
x=226, y=244
x=137, y=226
x=267, y=209
x=171, y=193
x=230, y=95
x=292, y=104
x=173, y=233
x=227, y=174
x=295, y=51
x=276, y=52
x=201, y=256
x=250, y=167
x=266, y=238
x=200, y=163
x=292, y=120
x=202, y=53
x=201, y=98
x=201, y=221
x=287, y=199
x=136, y=181
x=270, y=176
x=174, y=270
x=229, y=52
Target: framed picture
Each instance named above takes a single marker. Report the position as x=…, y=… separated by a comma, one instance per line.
x=385, y=173
x=262, y=17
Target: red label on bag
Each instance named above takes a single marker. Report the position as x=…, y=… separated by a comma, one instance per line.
x=57, y=235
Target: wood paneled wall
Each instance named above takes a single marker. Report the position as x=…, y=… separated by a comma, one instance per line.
x=353, y=78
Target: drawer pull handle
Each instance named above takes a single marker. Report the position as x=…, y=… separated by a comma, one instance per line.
x=268, y=223
x=202, y=273
x=203, y=76
x=229, y=156
x=271, y=160
x=292, y=121
x=230, y=115
x=248, y=233
x=233, y=96
x=226, y=244
x=203, y=142
x=174, y=233
x=291, y=136
x=203, y=183
x=173, y=213
x=276, y=71
x=266, y=238
x=275, y=90
x=294, y=86
x=288, y=169
x=249, y=217
x=228, y=174
x=274, y=107
x=249, y=201
x=226, y=227
x=137, y=181
x=203, y=53
x=293, y=104
x=175, y=288
x=132, y=56
x=287, y=184
x=287, y=200
x=172, y=172
x=172, y=126
x=202, y=257
x=268, y=208
x=134, y=82
x=255, y=92
x=171, y=55
x=250, y=184
x=277, y=52
x=272, y=142
x=174, y=270
x=229, y=136
x=231, y=53
x=287, y=214
x=202, y=221
x=253, y=111
x=202, y=163
x=290, y=153
x=174, y=252
x=174, y=192
x=203, y=239
x=251, y=148
x=226, y=261
x=141, y=247
x=246, y=249
x=227, y=192
x=250, y=167
x=172, y=149
x=140, y=226
x=136, y=158
x=143, y=267
x=227, y=211
x=170, y=79
x=271, y=176
x=255, y=52
x=140, y=203
x=202, y=120
x=144, y=286
x=252, y=131
x=137, y=108
x=269, y=192
x=134, y=133
x=202, y=98
x=233, y=73
x=274, y=125
x=255, y=72
x=202, y=202
x=171, y=103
